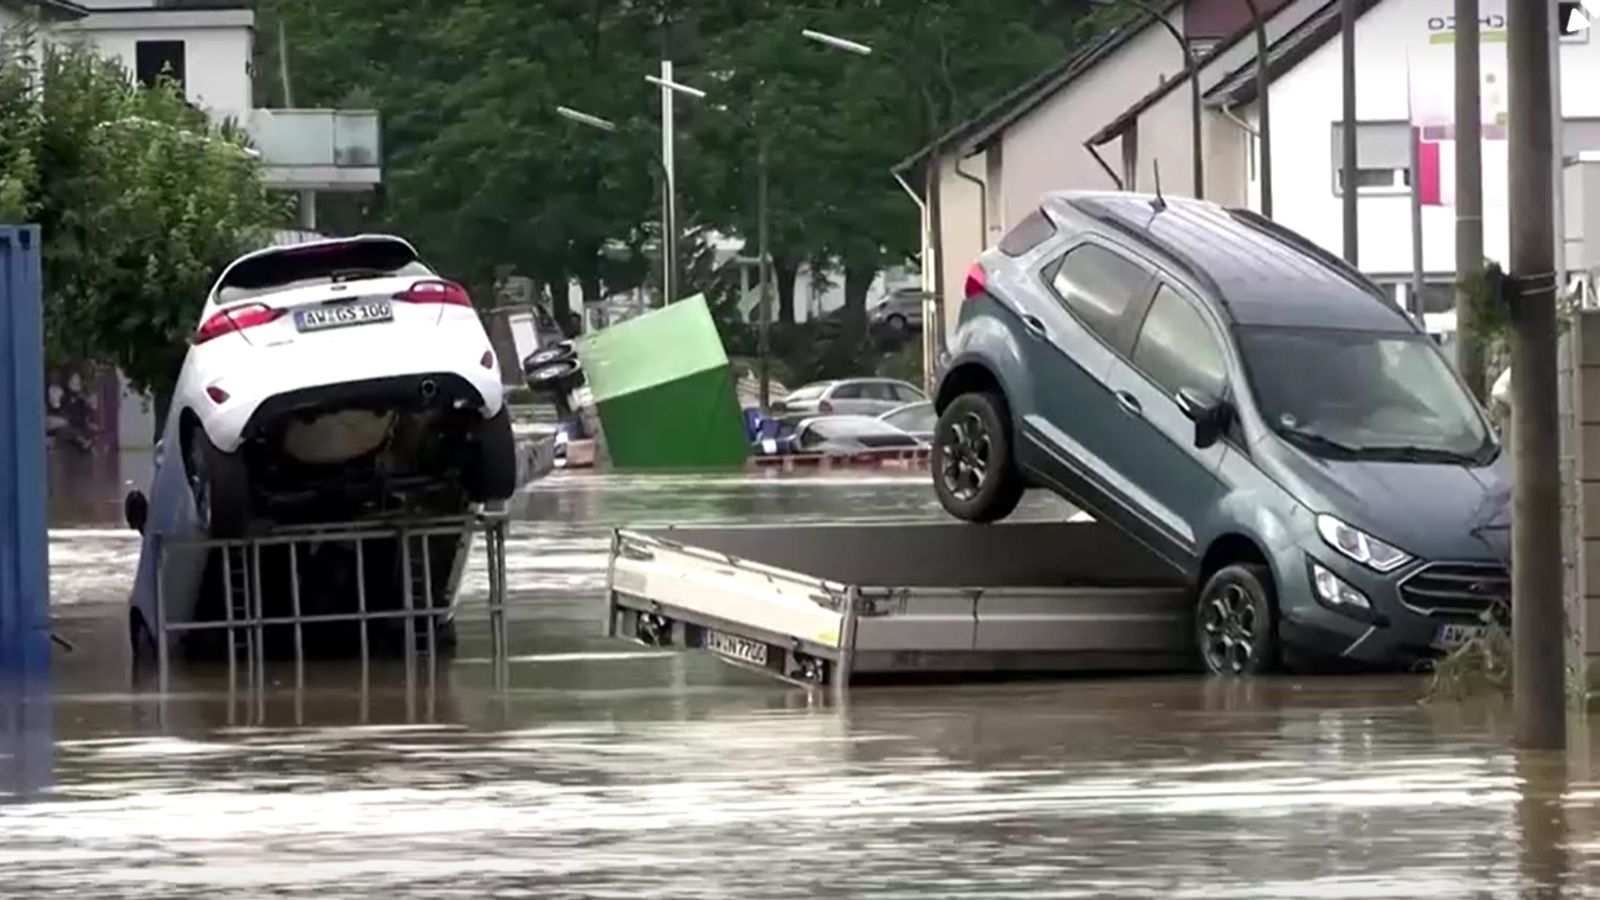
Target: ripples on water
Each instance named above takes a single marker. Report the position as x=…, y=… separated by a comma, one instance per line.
x=612, y=771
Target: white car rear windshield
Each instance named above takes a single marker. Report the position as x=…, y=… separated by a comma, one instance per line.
x=297, y=267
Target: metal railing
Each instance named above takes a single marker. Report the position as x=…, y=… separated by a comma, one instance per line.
x=245, y=620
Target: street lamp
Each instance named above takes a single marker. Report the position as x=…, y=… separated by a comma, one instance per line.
x=667, y=163
x=932, y=278
x=1194, y=87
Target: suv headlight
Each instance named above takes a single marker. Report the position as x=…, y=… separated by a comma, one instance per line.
x=1360, y=546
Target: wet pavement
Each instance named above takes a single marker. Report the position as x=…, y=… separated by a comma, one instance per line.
x=609, y=770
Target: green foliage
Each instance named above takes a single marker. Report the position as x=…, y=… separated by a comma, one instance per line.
x=483, y=173
x=905, y=363
x=140, y=200
x=1482, y=665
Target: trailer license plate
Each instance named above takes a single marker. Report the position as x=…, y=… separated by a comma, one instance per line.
x=1452, y=636
x=753, y=652
x=324, y=317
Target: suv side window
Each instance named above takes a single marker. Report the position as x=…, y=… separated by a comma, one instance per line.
x=1177, y=349
x=1099, y=286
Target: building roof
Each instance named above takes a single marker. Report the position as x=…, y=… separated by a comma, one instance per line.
x=1288, y=51
x=1262, y=273
x=1120, y=124
x=61, y=9
x=1026, y=97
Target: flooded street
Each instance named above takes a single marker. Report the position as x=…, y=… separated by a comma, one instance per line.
x=610, y=770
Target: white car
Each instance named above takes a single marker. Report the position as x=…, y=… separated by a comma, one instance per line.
x=335, y=379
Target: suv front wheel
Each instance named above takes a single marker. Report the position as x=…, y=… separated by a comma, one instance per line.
x=973, y=472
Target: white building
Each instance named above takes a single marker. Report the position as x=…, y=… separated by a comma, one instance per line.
x=208, y=47
x=1128, y=107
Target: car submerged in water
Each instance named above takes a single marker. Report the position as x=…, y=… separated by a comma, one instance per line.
x=336, y=380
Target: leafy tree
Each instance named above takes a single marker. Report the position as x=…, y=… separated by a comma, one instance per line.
x=141, y=200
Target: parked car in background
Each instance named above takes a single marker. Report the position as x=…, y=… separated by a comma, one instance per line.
x=1247, y=405
x=898, y=313
x=845, y=434
x=847, y=396
x=917, y=419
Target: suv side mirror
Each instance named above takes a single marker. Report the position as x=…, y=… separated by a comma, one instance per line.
x=1210, y=415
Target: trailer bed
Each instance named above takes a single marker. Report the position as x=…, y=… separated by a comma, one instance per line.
x=829, y=604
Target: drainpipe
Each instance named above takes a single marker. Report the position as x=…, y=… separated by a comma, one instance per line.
x=983, y=204
x=1115, y=178
x=1231, y=116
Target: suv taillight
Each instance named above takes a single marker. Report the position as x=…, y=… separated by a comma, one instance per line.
x=435, y=291
x=977, y=281
x=236, y=319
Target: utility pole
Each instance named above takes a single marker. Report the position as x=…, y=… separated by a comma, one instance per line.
x=1536, y=565
x=308, y=199
x=765, y=350
x=1347, y=132
x=1469, y=195
x=1264, y=143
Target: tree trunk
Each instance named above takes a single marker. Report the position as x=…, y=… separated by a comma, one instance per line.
x=785, y=269
x=560, y=298
x=857, y=279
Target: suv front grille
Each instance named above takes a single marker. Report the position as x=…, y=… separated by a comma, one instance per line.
x=1456, y=590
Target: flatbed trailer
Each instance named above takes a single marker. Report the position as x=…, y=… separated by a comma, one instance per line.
x=832, y=604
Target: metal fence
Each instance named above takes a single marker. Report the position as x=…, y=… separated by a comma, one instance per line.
x=245, y=620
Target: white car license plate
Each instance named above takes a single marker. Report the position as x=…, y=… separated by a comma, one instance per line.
x=1452, y=636
x=753, y=652
x=324, y=317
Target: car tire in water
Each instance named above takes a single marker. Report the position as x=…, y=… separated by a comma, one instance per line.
x=544, y=356
x=491, y=466
x=973, y=471
x=1236, y=622
x=220, y=485
x=557, y=377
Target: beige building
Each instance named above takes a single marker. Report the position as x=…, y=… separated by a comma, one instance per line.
x=1105, y=119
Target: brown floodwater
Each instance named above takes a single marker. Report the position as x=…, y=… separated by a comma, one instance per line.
x=610, y=770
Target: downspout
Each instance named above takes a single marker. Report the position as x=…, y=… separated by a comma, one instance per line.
x=1115, y=178
x=983, y=204
x=1228, y=113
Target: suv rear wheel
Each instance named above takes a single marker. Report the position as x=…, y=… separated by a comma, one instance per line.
x=491, y=467
x=1236, y=621
x=973, y=472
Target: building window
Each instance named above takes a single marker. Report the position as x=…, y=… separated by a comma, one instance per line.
x=152, y=59
x=1383, y=158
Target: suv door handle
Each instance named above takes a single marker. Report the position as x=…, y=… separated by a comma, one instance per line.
x=1035, y=327
x=1130, y=403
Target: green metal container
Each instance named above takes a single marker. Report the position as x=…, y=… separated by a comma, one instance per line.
x=664, y=391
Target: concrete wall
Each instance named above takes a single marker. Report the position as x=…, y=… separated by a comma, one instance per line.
x=1580, y=406
x=1044, y=151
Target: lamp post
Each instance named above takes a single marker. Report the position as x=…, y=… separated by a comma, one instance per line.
x=1194, y=89
x=666, y=162
x=933, y=296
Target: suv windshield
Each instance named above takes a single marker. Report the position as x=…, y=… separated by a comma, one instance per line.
x=1363, y=394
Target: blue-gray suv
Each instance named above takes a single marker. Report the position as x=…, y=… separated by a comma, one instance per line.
x=1250, y=407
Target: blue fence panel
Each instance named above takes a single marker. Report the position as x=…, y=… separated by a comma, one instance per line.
x=24, y=584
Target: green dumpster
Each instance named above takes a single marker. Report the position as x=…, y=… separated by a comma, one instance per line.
x=664, y=391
